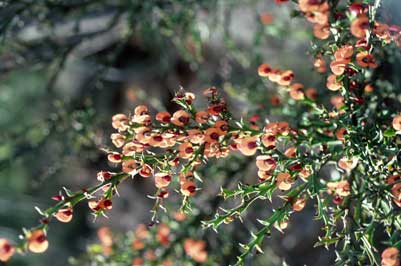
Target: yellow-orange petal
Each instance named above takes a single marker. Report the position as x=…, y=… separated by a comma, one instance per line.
x=188, y=188
x=297, y=91
x=64, y=215
x=265, y=162
x=332, y=83
x=162, y=180
x=264, y=70
x=321, y=31
x=299, y=205
x=360, y=26
x=284, y=181
x=390, y=257
x=248, y=145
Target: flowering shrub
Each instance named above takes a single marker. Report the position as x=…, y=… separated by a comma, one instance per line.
x=161, y=244
x=358, y=129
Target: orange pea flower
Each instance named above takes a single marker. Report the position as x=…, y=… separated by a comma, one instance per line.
x=137, y=262
x=345, y=52
x=305, y=172
x=180, y=216
x=364, y=59
x=162, y=180
x=347, y=164
x=137, y=244
x=283, y=224
x=332, y=83
x=311, y=93
x=265, y=162
x=114, y=157
x=163, y=234
x=269, y=140
x=341, y=188
x=141, y=110
x=188, y=188
x=195, y=136
x=284, y=181
x=297, y=91
x=359, y=26
x=163, y=117
x=337, y=101
x=321, y=18
x=248, y=145
x=143, y=134
x=129, y=166
x=338, y=66
x=131, y=148
x=105, y=237
x=274, y=75
x=222, y=127
x=321, y=32
x=117, y=139
x=186, y=150
x=320, y=64
x=145, y=170
x=212, y=135
x=145, y=119
x=299, y=205
x=266, y=18
x=156, y=140
x=103, y=175
x=6, y=250
x=196, y=249
x=396, y=191
x=102, y=204
x=202, y=117
x=310, y=6
x=264, y=70
x=340, y=133
x=180, y=118
x=264, y=175
x=390, y=257
x=64, y=215
x=142, y=231
x=392, y=179
x=286, y=78
x=216, y=109
x=37, y=241
x=290, y=152
x=120, y=122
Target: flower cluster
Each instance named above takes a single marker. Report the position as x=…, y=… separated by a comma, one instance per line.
x=156, y=244
x=358, y=136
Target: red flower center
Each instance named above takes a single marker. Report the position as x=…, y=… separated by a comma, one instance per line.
x=189, y=150
x=158, y=138
x=191, y=189
x=166, y=178
x=40, y=239
x=252, y=145
x=183, y=119
x=214, y=136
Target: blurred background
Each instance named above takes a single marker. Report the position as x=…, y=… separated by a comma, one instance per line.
x=67, y=66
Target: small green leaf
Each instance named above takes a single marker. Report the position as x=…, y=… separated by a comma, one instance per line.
x=389, y=133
